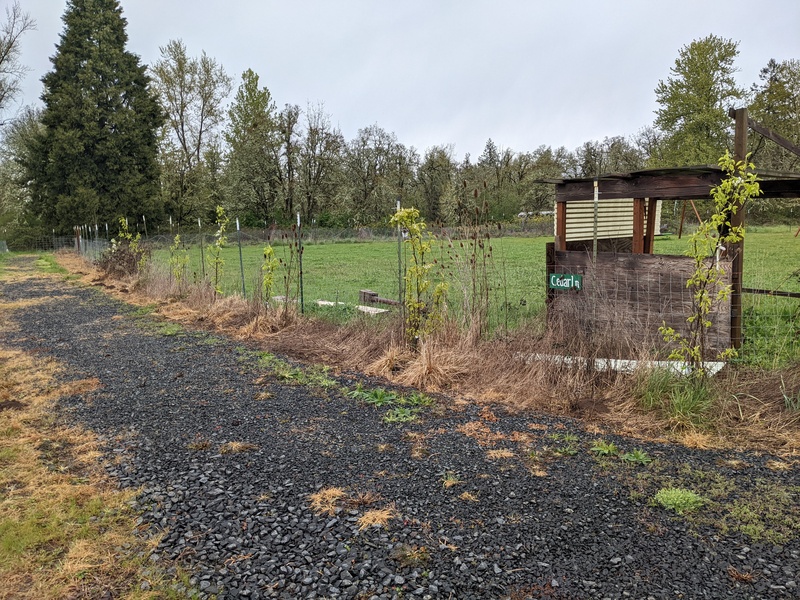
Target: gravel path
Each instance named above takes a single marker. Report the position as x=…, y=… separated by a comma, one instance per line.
x=486, y=505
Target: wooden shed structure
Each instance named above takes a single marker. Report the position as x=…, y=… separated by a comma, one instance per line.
x=620, y=210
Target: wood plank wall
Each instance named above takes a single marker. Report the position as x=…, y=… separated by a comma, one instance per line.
x=626, y=297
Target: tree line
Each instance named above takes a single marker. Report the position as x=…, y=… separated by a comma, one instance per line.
x=162, y=142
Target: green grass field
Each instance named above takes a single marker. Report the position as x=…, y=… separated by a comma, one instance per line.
x=337, y=271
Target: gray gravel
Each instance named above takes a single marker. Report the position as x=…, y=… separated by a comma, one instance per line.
x=241, y=523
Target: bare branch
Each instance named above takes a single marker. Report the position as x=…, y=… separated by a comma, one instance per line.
x=11, y=70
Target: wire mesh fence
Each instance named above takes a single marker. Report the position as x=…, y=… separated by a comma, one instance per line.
x=46, y=243
x=618, y=303
x=626, y=307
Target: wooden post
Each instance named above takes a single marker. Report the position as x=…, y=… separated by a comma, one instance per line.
x=737, y=220
x=650, y=234
x=638, y=225
x=561, y=226
x=367, y=297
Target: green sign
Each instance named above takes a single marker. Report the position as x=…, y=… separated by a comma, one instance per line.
x=563, y=281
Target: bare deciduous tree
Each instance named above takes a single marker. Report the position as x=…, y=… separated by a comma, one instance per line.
x=11, y=69
x=320, y=159
x=192, y=93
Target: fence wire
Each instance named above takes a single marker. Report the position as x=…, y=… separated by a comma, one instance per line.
x=621, y=312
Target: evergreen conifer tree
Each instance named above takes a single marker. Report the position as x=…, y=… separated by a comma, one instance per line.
x=96, y=158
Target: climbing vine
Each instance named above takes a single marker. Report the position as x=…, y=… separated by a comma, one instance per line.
x=424, y=303
x=215, y=250
x=706, y=281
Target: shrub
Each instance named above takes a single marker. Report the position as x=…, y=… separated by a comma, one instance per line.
x=678, y=499
x=424, y=305
x=178, y=261
x=125, y=257
x=268, y=268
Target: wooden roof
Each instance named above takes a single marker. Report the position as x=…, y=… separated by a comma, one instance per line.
x=677, y=183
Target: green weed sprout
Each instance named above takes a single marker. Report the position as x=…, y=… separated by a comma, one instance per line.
x=678, y=499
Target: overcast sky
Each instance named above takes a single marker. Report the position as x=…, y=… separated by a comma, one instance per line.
x=522, y=72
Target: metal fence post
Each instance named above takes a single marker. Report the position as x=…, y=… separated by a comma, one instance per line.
x=202, y=256
x=399, y=261
x=300, y=261
x=241, y=262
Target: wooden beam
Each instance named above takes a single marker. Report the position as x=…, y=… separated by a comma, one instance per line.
x=681, y=187
x=658, y=187
x=780, y=293
x=787, y=188
x=561, y=226
x=650, y=234
x=638, y=225
x=771, y=135
x=683, y=217
x=768, y=133
x=696, y=214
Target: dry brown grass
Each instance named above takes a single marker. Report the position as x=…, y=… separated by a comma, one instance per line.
x=499, y=454
x=779, y=465
x=468, y=497
x=537, y=471
x=734, y=463
x=502, y=371
x=378, y=517
x=63, y=525
x=521, y=437
x=450, y=479
x=199, y=443
x=487, y=415
x=420, y=451
x=236, y=447
x=481, y=433
x=364, y=499
x=740, y=576
x=325, y=501
x=419, y=445
x=699, y=440
x=411, y=556
x=395, y=358
x=436, y=367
